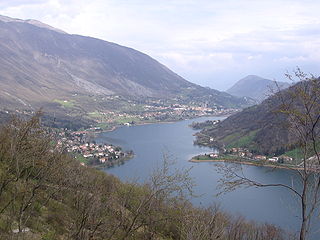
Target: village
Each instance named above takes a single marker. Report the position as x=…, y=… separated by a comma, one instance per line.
x=88, y=152
x=243, y=154
x=155, y=112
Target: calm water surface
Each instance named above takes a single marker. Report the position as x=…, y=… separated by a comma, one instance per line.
x=150, y=142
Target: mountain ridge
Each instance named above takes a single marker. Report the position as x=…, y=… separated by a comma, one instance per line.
x=41, y=63
x=30, y=21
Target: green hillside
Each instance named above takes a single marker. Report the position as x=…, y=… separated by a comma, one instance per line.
x=269, y=128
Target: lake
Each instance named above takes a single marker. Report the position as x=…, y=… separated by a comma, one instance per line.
x=150, y=142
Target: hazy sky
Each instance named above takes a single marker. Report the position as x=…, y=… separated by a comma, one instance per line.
x=210, y=42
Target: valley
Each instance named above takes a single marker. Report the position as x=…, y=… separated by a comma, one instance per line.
x=102, y=141
x=80, y=82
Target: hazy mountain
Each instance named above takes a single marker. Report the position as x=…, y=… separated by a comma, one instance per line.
x=255, y=87
x=40, y=63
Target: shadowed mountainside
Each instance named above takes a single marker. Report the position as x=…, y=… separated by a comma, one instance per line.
x=262, y=128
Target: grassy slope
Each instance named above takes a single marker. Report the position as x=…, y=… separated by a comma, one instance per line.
x=241, y=141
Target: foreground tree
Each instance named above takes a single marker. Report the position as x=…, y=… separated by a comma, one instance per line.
x=299, y=106
x=28, y=166
x=47, y=194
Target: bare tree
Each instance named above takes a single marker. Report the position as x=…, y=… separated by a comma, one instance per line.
x=89, y=198
x=143, y=208
x=203, y=224
x=52, y=190
x=300, y=105
x=29, y=168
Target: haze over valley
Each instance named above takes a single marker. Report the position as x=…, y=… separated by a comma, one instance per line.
x=189, y=120
x=76, y=76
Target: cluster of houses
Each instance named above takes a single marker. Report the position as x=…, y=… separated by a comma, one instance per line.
x=245, y=153
x=77, y=142
x=160, y=112
x=182, y=110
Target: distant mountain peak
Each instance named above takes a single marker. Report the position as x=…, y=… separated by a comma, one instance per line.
x=255, y=87
x=38, y=66
x=254, y=77
x=30, y=21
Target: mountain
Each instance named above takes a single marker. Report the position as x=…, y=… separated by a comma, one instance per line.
x=256, y=128
x=263, y=128
x=255, y=87
x=39, y=64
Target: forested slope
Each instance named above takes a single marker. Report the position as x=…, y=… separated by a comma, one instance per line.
x=265, y=128
x=46, y=194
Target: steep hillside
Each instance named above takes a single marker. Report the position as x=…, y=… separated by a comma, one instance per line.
x=255, y=127
x=263, y=128
x=39, y=64
x=255, y=87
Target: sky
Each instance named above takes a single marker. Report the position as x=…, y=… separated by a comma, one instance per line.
x=209, y=42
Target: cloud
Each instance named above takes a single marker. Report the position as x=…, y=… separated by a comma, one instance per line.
x=12, y=3
x=209, y=42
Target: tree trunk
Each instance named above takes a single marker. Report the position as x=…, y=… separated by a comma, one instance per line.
x=303, y=229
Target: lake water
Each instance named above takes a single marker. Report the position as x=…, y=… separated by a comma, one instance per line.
x=150, y=142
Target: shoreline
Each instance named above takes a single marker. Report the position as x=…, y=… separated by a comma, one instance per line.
x=113, y=128
x=258, y=164
x=118, y=162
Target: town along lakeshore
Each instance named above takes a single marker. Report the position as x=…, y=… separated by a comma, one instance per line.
x=151, y=142
x=82, y=145
x=244, y=156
